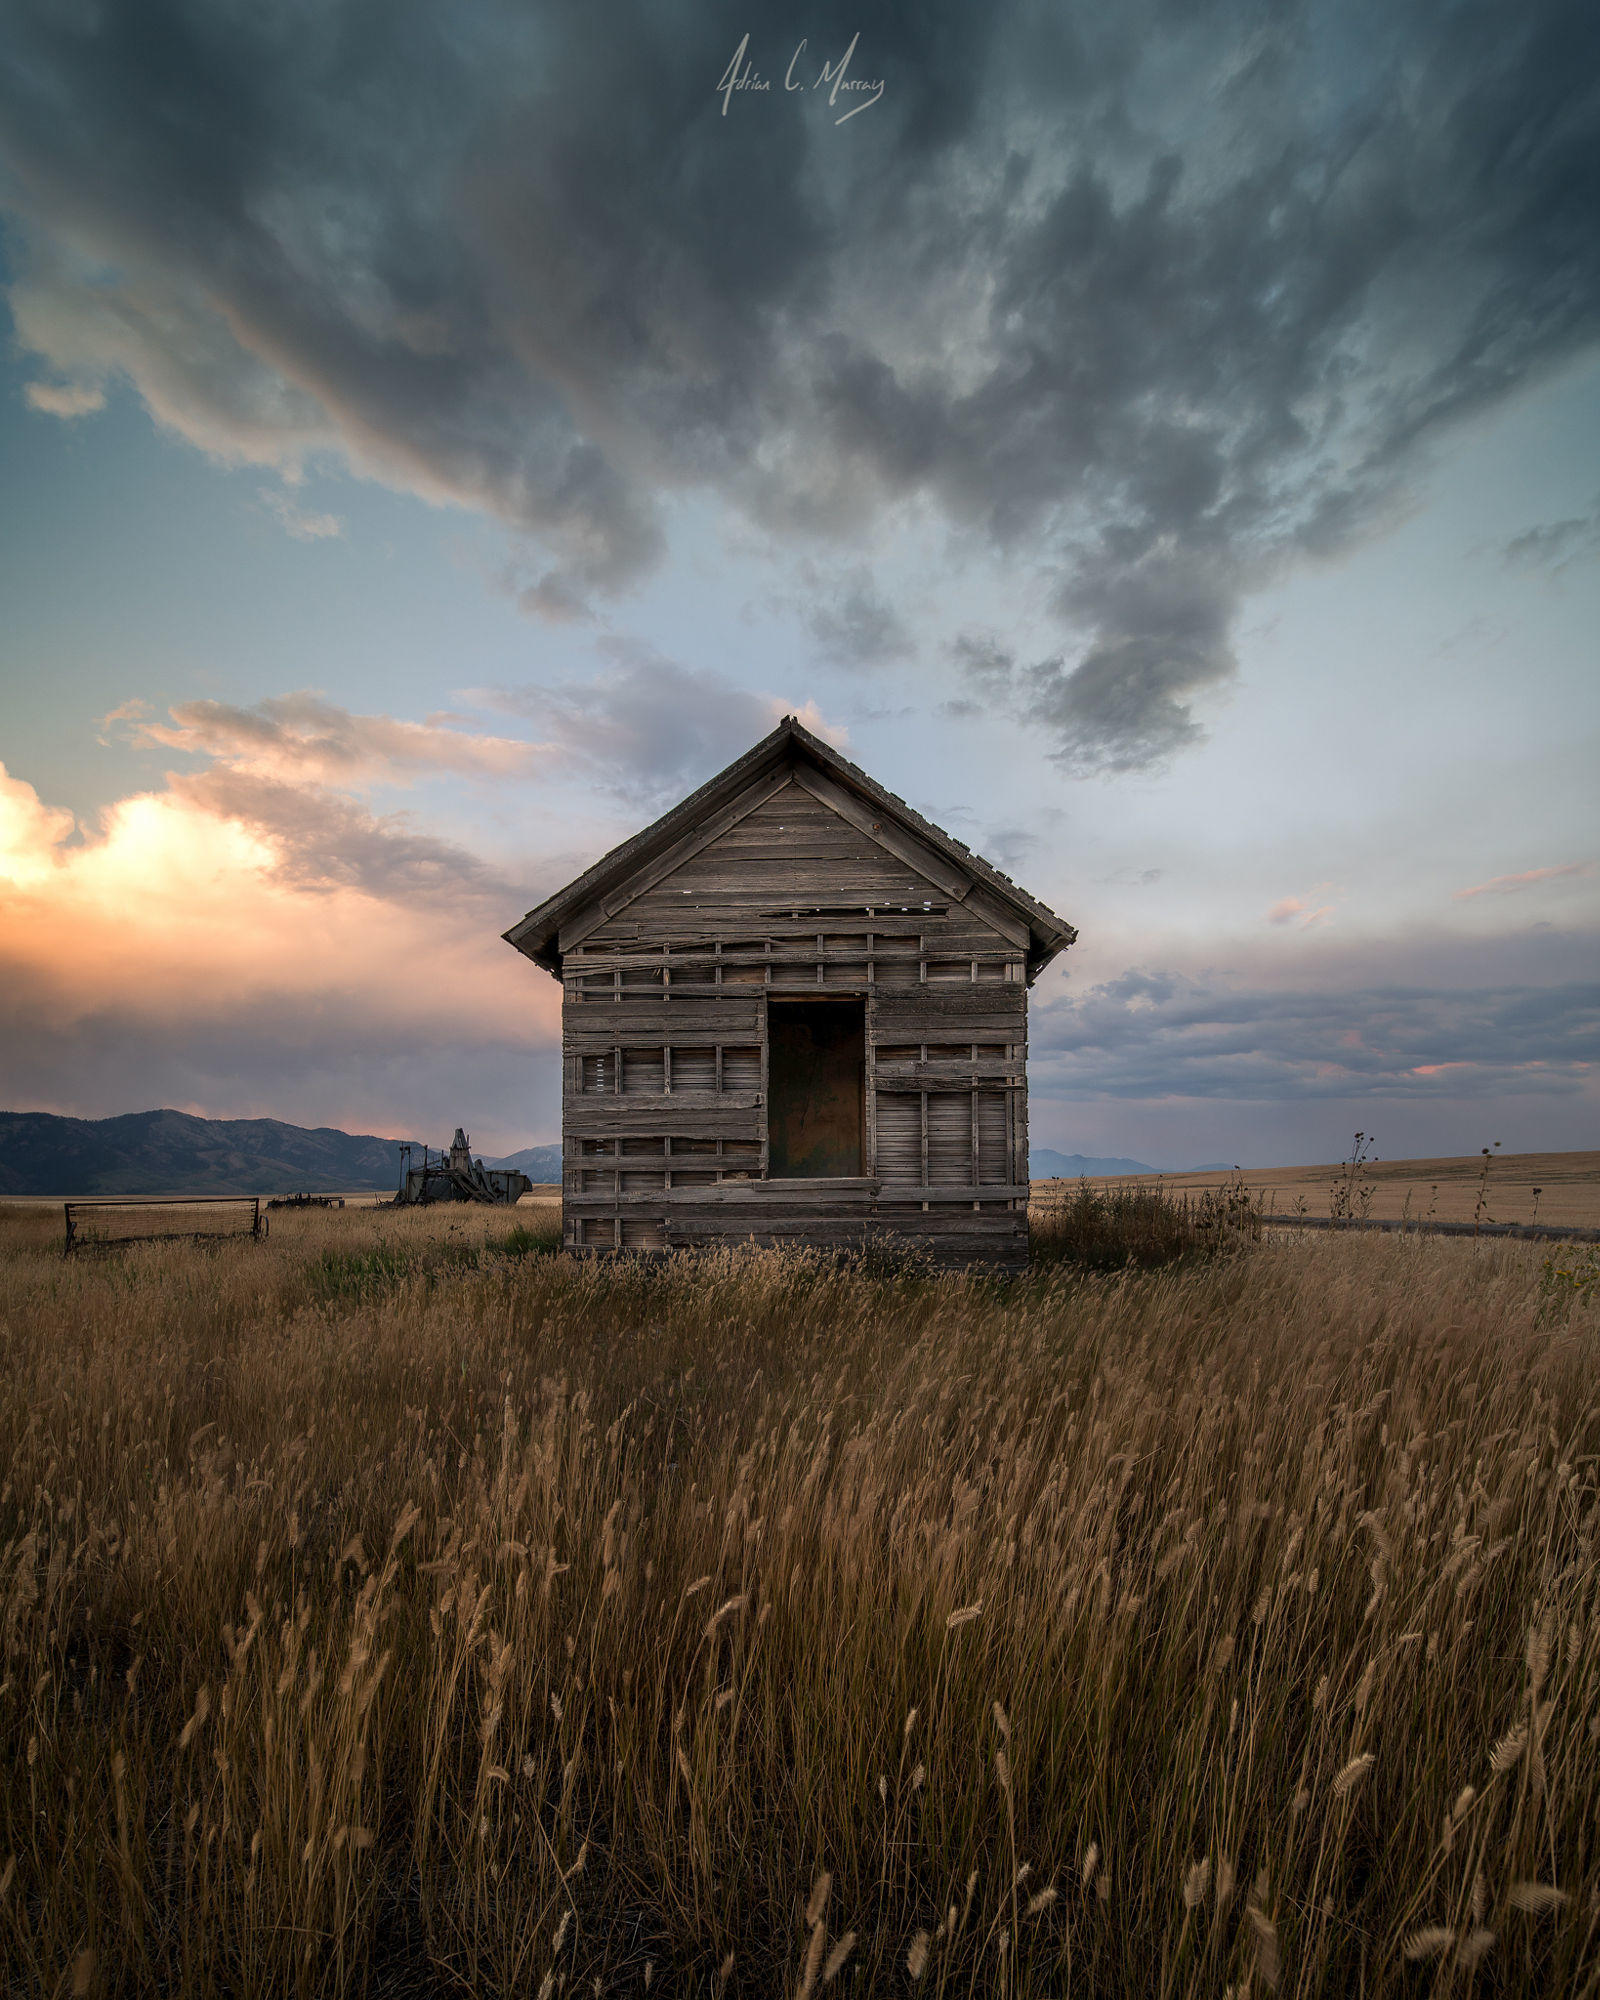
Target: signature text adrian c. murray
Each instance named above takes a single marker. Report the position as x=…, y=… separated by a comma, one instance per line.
x=742, y=74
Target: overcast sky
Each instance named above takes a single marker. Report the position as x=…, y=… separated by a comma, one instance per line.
x=1163, y=444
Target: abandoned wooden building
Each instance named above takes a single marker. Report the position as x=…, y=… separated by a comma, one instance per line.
x=794, y=1011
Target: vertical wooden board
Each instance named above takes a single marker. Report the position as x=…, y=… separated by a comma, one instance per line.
x=1020, y=1175
x=994, y=1138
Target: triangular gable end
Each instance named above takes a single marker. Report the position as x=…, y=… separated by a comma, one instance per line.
x=752, y=856
x=790, y=756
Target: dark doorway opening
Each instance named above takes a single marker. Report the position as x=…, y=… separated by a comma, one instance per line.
x=816, y=1088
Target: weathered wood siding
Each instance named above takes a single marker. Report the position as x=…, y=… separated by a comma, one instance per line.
x=794, y=890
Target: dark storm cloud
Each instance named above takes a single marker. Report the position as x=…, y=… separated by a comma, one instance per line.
x=1152, y=300
x=1157, y=1035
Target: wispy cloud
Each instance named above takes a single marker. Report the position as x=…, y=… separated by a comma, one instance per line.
x=298, y=522
x=305, y=737
x=65, y=399
x=1556, y=545
x=848, y=618
x=647, y=728
x=1303, y=911
x=1510, y=885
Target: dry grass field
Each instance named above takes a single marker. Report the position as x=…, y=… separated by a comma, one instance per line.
x=395, y=1608
x=1558, y=1188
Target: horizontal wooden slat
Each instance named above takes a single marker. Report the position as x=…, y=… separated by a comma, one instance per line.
x=904, y=1191
x=1007, y=1000
x=758, y=1197
x=1002, y=1227
x=733, y=1115
x=691, y=1019
x=774, y=1197
x=607, y=908
x=948, y=875
x=948, y=1075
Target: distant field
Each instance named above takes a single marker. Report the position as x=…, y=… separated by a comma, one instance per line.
x=1446, y=1190
x=399, y=1607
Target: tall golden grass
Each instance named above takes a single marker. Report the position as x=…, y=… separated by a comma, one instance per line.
x=382, y=1614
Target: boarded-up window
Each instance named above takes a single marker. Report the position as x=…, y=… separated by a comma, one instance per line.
x=899, y=1136
x=637, y=1183
x=642, y=1073
x=741, y=1069
x=846, y=972
x=634, y=976
x=993, y=970
x=599, y=1073
x=994, y=1154
x=694, y=1069
x=943, y=970
x=949, y=1139
x=644, y=1232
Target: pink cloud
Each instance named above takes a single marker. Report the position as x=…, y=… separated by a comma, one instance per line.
x=1508, y=885
x=1302, y=911
x=304, y=737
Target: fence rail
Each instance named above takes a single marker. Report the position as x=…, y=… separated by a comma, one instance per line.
x=1530, y=1232
x=76, y=1213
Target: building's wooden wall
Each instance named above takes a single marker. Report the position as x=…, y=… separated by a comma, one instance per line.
x=664, y=1022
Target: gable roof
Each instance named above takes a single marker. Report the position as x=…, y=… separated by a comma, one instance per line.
x=538, y=935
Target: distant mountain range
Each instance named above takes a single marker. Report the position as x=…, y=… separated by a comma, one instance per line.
x=170, y=1152
x=542, y=1164
x=1046, y=1164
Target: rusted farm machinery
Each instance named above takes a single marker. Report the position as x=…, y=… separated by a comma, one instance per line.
x=457, y=1176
